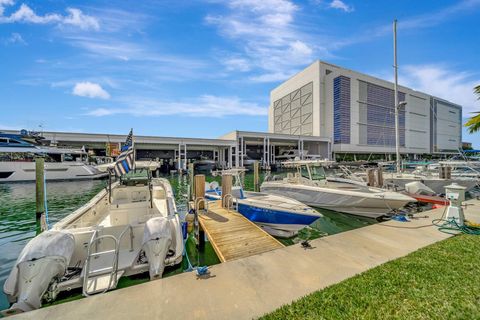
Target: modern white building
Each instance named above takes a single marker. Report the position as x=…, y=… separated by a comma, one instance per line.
x=356, y=112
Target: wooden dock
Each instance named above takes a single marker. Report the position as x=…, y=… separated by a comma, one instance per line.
x=232, y=235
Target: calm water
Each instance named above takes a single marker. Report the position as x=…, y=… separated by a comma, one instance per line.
x=17, y=217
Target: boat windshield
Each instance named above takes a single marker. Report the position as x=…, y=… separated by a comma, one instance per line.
x=313, y=172
x=318, y=173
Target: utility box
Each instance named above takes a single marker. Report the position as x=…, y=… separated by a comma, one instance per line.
x=456, y=195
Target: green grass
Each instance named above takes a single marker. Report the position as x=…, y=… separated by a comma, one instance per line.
x=441, y=281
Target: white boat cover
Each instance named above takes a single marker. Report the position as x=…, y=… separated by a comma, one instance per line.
x=52, y=243
x=48, y=243
x=156, y=228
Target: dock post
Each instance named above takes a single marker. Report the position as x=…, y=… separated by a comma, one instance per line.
x=199, y=185
x=226, y=188
x=256, y=180
x=41, y=224
x=371, y=177
x=191, y=176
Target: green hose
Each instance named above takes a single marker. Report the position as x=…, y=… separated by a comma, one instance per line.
x=452, y=227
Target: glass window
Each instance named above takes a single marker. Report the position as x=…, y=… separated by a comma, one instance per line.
x=304, y=172
x=318, y=173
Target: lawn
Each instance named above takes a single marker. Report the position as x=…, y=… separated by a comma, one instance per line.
x=441, y=281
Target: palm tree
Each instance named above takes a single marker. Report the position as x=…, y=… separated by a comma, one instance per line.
x=473, y=124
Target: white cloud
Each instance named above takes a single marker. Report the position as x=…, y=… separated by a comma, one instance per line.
x=15, y=38
x=26, y=14
x=267, y=35
x=237, y=64
x=77, y=18
x=443, y=82
x=339, y=4
x=90, y=90
x=205, y=106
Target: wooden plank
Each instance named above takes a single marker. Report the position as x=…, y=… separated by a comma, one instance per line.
x=232, y=235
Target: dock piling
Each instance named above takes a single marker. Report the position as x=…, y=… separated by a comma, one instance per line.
x=256, y=180
x=191, y=177
x=226, y=189
x=41, y=223
x=199, y=185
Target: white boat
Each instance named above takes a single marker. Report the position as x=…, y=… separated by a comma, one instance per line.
x=310, y=185
x=433, y=181
x=17, y=163
x=130, y=228
x=276, y=214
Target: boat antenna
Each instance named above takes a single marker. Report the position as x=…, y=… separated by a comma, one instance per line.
x=397, y=105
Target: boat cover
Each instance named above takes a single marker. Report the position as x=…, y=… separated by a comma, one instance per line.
x=52, y=243
x=156, y=228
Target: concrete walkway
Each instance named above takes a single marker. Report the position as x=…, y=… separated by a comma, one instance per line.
x=250, y=287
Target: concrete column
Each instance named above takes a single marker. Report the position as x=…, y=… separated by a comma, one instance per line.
x=272, y=154
x=185, y=163
x=268, y=151
x=237, y=155
x=242, y=152
x=179, y=157
x=299, y=148
x=230, y=156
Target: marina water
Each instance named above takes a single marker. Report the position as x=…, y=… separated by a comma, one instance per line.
x=17, y=214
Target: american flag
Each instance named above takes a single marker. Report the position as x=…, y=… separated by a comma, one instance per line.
x=126, y=160
x=128, y=143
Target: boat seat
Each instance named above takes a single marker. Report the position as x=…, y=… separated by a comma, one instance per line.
x=141, y=195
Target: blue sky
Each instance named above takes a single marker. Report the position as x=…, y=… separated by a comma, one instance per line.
x=204, y=68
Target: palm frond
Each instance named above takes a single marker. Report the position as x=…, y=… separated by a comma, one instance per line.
x=473, y=124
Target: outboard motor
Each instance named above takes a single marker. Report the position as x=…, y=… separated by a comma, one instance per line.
x=43, y=259
x=157, y=239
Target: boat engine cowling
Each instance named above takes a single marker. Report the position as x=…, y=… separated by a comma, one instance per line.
x=44, y=258
x=157, y=238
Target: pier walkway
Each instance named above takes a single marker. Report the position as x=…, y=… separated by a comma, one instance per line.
x=232, y=235
x=250, y=287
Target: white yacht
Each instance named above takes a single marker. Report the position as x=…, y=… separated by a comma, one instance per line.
x=432, y=178
x=132, y=227
x=310, y=185
x=17, y=160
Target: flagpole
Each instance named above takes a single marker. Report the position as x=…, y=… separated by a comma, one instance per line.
x=134, y=151
x=395, y=66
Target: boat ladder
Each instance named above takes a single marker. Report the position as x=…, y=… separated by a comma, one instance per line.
x=100, y=272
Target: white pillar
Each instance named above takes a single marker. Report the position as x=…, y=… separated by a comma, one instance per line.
x=230, y=157
x=268, y=151
x=264, y=159
x=241, y=151
x=237, y=155
x=185, y=162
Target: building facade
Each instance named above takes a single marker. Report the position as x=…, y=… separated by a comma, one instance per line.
x=356, y=112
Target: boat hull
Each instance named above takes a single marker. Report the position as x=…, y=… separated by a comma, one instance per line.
x=372, y=207
x=437, y=185
x=12, y=171
x=276, y=220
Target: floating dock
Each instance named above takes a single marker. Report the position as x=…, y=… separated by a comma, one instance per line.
x=232, y=235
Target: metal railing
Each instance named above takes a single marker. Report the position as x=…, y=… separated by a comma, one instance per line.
x=112, y=271
x=200, y=200
x=129, y=227
x=229, y=200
